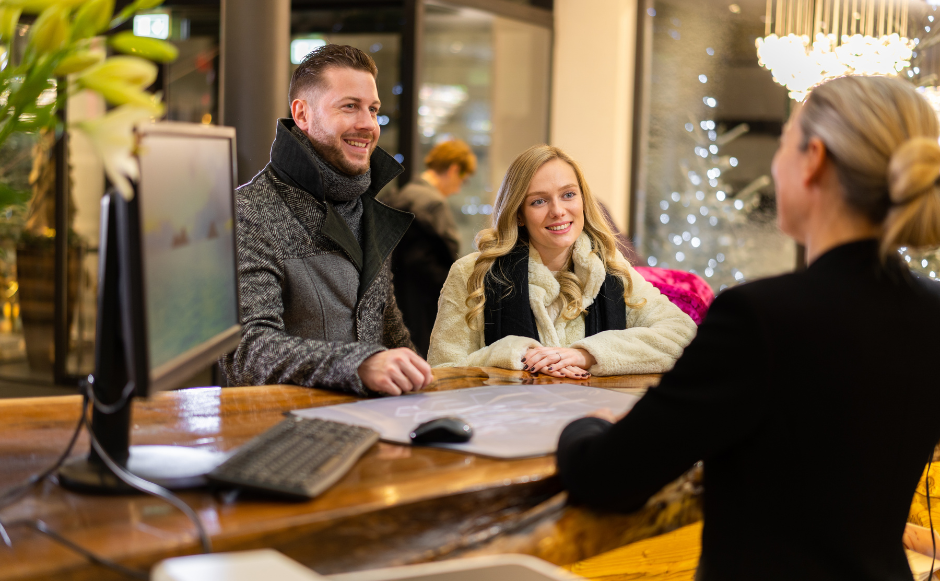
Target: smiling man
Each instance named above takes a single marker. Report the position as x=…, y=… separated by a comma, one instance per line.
x=314, y=245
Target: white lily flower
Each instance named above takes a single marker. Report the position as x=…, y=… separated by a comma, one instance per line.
x=112, y=136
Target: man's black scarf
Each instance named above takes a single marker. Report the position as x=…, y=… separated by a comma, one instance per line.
x=507, y=312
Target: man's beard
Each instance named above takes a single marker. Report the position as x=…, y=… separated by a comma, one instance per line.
x=326, y=145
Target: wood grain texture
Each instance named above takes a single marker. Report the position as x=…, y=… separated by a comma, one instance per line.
x=670, y=557
x=927, y=494
x=397, y=505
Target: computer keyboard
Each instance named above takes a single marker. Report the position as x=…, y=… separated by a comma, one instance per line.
x=298, y=457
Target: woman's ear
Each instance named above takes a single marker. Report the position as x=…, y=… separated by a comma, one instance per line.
x=816, y=158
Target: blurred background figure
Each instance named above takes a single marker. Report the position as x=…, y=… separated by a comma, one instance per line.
x=431, y=245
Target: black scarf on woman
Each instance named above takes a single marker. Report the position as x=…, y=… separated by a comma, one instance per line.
x=507, y=312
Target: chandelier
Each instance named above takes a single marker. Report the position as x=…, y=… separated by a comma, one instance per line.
x=807, y=42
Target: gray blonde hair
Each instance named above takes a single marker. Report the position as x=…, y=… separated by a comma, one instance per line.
x=501, y=238
x=881, y=136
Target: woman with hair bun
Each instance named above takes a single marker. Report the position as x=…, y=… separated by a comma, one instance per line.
x=810, y=396
x=549, y=292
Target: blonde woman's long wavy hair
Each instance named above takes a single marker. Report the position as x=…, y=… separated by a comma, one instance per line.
x=502, y=236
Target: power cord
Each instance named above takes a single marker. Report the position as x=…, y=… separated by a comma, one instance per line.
x=933, y=537
x=110, y=408
x=148, y=487
x=41, y=527
x=16, y=492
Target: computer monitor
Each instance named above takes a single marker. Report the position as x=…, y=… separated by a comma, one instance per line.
x=187, y=248
x=167, y=297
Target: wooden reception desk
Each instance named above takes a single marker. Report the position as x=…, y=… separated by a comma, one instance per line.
x=398, y=505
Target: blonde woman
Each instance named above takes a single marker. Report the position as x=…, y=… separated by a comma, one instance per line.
x=549, y=292
x=810, y=396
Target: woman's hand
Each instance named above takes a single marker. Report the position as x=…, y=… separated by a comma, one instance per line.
x=605, y=414
x=569, y=372
x=572, y=372
x=558, y=361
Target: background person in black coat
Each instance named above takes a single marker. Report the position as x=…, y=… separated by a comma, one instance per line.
x=429, y=248
x=809, y=396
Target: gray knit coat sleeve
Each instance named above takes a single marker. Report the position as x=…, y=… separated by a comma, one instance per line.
x=267, y=354
x=394, y=332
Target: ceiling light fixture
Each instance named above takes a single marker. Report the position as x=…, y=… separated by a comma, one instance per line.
x=807, y=42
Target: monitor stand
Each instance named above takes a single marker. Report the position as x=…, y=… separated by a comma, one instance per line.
x=173, y=467
x=169, y=466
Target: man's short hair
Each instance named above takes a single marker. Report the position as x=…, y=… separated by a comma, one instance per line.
x=309, y=75
x=447, y=153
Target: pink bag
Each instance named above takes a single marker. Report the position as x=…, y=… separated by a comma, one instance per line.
x=687, y=291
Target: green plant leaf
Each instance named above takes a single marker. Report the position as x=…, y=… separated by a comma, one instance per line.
x=38, y=6
x=12, y=197
x=9, y=17
x=29, y=89
x=37, y=118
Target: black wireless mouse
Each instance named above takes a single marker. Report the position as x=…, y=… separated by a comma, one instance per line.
x=442, y=431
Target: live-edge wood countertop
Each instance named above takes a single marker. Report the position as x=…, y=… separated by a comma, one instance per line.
x=397, y=505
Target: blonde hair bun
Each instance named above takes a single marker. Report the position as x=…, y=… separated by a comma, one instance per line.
x=914, y=169
x=914, y=218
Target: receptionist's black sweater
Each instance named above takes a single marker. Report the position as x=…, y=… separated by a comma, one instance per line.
x=812, y=398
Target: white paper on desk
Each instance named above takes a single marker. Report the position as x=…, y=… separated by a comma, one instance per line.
x=919, y=549
x=508, y=421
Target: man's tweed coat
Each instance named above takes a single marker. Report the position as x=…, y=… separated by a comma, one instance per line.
x=314, y=304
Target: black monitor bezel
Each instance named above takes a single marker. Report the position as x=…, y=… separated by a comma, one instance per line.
x=182, y=367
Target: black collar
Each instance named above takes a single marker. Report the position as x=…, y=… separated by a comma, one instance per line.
x=506, y=309
x=382, y=227
x=865, y=256
x=296, y=166
x=854, y=253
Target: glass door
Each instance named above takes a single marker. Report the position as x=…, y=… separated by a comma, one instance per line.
x=483, y=77
x=704, y=201
x=375, y=30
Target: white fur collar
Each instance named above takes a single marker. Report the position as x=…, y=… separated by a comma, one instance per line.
x=544, y=289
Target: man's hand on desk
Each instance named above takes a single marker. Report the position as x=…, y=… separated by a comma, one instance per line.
x=395, y=372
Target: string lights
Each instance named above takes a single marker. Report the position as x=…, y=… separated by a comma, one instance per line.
x=702, y=221
x=698, y=217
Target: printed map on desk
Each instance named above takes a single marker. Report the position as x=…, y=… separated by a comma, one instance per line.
x=509, y=421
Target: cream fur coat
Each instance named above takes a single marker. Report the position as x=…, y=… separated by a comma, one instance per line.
x=655, y=336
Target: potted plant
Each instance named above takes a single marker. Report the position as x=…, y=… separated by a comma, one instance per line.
x=46, y=55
